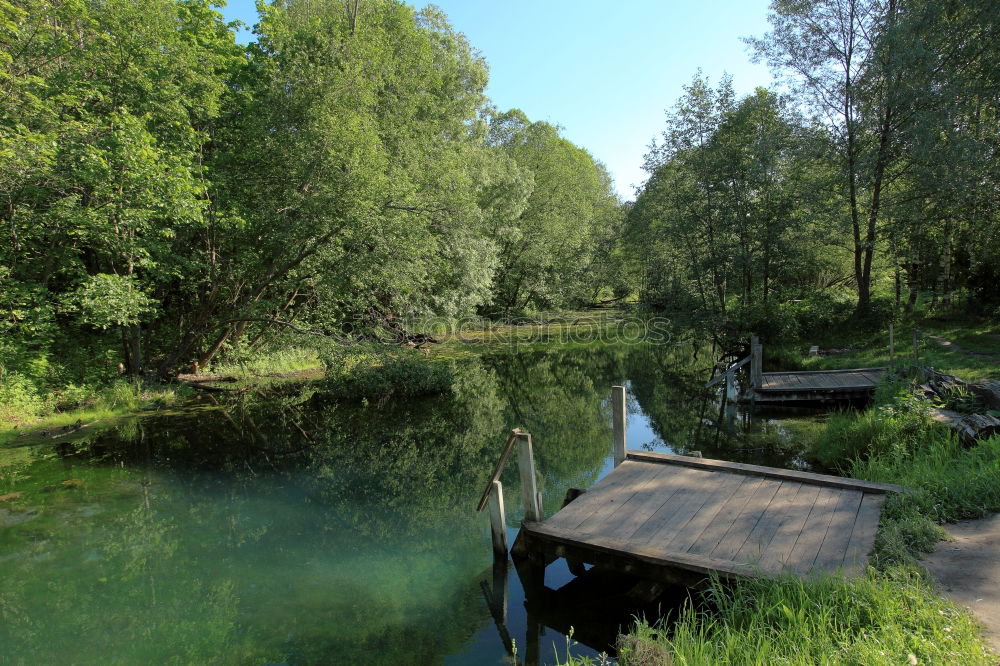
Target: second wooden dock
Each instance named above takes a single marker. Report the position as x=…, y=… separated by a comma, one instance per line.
x=817, y=385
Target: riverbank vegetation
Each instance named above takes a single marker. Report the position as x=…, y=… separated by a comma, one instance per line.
x=171, y=198
x=866, y=182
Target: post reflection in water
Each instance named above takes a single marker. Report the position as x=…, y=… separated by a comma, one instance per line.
x=280, y=526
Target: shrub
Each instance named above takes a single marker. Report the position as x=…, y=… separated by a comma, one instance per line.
x=899, y=423
x=378, y=378
x=20, y=399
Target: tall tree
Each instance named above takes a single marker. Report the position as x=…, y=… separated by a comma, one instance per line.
x=841, y=59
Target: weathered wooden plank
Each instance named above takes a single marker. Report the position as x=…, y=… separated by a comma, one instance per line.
x=498, y=522
x=780, y=547
x=661, y=525
x=729, y=514
x=649, y=554
x=623, y=478
x=645, y=503
x=526, y=470
x=685, y=535
x=772, y=472
x=724, y=519
x=838, y=534
x=498, y=469
x=807, y=546
x=746, y=521
x=641, y=489
x=757, y=542
x=823, y=372
x=731, y=369
x=863, y=534
x=618, y=423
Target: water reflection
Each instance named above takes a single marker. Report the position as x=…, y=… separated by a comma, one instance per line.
x=280, y=526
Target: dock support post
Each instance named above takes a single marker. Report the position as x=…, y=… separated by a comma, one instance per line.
x=526, y=468
x=892, y=346
x=731, y=386
x=756, y=362
x=498, y=523
x=618, y=422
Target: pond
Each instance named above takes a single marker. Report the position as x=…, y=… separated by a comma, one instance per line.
x=278, y=526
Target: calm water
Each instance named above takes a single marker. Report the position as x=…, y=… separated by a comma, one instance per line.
x=281, y=527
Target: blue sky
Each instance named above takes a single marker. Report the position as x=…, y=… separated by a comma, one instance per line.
x=603, y=71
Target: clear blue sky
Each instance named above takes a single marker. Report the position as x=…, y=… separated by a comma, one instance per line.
x=603, y=71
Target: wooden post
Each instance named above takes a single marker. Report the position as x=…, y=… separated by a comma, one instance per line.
x=618, y=422
x=892, y=346
x=916, y=354
x=756, y=362
x=731, y=386
x=498, y=522
x=526, y=468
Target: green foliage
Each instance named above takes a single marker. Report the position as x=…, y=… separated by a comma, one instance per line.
x=110, y=300
x=201, y=201
x=947, y=483
x=380, y=377
x=960, y=399
x=554, y=251
x=898, y=425
x=869, y=620
x=19, y=399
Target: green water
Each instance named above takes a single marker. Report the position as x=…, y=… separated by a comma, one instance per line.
x=281, y=527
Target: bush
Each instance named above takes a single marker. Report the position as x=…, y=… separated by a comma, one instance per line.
x=20, y=400
x=373, y=377
x=899, y=423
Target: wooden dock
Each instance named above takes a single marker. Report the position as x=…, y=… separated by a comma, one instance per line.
x=817, y=385
x=677, y=519
x=801, y=386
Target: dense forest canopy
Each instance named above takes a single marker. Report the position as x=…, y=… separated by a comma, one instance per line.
x=876, y=169
x=166, y=193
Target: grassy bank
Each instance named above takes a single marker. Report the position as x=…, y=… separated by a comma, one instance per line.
x=49, y=401
x=43, y=394
x=891, y=615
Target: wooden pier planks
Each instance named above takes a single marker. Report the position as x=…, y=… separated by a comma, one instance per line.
x=817, y=385
x=700, y=515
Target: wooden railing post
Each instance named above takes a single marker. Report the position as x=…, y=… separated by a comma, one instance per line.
x=618, y=422
x=526, y=468
x=731, y=386
x=498, y=522
x=756, y=362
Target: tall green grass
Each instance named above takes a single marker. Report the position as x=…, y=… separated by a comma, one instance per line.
x=875, y=619
x=898, y=421
x=280, y=361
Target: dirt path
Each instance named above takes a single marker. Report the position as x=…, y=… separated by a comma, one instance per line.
x=945, y=342
x=967, y=571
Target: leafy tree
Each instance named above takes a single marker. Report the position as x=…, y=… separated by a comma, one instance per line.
x=548, y=249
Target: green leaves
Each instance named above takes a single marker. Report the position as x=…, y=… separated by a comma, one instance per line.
x=110, y=300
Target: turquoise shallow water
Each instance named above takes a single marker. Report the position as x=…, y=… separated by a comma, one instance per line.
x=281, y=527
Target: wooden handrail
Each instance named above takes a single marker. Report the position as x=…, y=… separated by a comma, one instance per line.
x=718, y=378
x=514, y=434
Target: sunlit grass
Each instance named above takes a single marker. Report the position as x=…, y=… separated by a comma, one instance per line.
x=120, y=399
x=282, y=361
